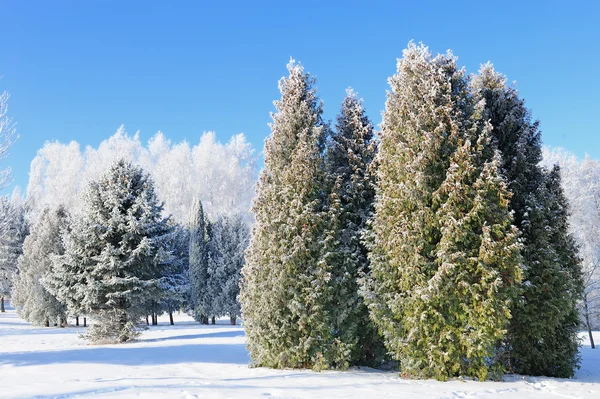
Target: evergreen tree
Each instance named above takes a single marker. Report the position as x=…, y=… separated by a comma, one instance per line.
x=544, y=310
x=116, y=254
x=285, y=283
x=13, y=230
x=226, y=258
x=444, y=255
x=30, y=297
x=175, y=280
x=350, y=183
x=200, y=233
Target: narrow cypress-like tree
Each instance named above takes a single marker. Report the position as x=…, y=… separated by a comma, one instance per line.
x=550, y=281
x=444, y=255
x=200, y=232
x=115, y=255
x=31, y=297
x=285, y=288
x=351, y=150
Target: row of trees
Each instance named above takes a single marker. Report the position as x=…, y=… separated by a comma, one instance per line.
x=448, y=244
x=120, y=259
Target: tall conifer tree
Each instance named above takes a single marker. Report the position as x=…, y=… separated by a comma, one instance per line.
x=285, y=282
x=351, y=150
x=444, y=256
x=200, y=233
x=551, y=278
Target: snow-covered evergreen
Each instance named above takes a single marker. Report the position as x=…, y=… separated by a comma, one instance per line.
x=13, y=230
x=444, y=254
x=350, y=184
x=175, y=276
x=199, y=238
x=115, y=254
x=540, y=339
x=30, y=296
x=227, y=247
x=285, y=290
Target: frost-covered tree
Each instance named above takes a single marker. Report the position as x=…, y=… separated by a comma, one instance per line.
x=581, y=184
x=541, y=313
x=12, y=235
x=444, y=255
x=227, y=247
x=285, y=288
x=30, y=296
x=7, y=137
x=350, y=184
x=115, y=254
x=175, y=276
x=199, y=238
x=222, y=175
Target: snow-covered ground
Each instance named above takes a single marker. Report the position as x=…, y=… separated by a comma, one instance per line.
x=192, y=361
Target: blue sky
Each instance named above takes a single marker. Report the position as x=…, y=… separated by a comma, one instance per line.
x=77, y=70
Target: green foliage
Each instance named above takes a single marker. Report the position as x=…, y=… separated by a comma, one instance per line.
x=444, y=255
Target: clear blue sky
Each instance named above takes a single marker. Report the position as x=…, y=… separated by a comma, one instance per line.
x=77, y=70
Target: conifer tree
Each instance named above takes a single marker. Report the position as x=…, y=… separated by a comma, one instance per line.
x=285, y=288
x=33, y=301
x=200, y=233
x=444, y=255
x=550, y=286
x=226, y=258
x=351, y=150
x=13, y=230
x=175, y=279
x=116, y=254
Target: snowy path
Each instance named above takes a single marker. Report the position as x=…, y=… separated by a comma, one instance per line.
x=193, y=361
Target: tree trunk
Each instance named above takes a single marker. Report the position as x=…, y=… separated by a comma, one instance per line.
x=2, y=305
x=47, y=324
x=213, y=320
x=232, y=320
x=147, y=322
x=587, y=322
x=171, y=318
x=76, y=321
x=154, y=319
x=85, y=322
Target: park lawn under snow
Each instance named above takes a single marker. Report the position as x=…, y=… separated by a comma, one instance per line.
x=193, y=361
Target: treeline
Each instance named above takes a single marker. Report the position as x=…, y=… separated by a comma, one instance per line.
x=120, y=259
x=444, y=245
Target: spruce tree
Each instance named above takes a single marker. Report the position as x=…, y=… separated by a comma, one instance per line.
x=444, y=255
x=200, y=233
x=285, y=283
x=116, y=254
x=226, y=258
x=175, y=276
x=30, y=296
x=544, y=310
x=13, y=230
x=351, y=150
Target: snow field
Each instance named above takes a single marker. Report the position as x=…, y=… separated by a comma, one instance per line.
x=189, y=360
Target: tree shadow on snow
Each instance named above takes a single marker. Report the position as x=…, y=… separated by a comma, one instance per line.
x=133, y=355
x=219, y=334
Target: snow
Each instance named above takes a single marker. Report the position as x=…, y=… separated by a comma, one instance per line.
x=189, y=360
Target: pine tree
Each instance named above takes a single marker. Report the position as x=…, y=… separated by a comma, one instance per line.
x=200, y=233
x=444, y=255
x=546, y=295
x=285, y=288
x=351, y=150
x=33, y=301
x=13, y=230
x=116, y=254
x=226, y=258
